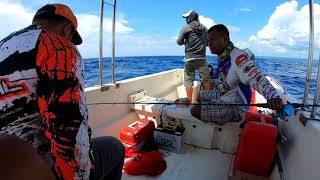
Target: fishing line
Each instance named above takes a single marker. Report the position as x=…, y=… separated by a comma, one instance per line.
x=263, y=105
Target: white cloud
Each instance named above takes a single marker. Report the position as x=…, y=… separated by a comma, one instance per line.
x=244, y=9
x=206, y=21
x=89, y=31
x=90, y=23
x=13, y=17
x=287, y=31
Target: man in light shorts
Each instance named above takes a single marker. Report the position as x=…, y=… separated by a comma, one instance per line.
x=195, y=38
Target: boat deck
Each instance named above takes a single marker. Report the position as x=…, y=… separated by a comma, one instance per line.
x=192, y=163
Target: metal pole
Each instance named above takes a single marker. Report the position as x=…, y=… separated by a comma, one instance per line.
x=113, y=41
x=316, y=95
x=310, y=53
x=101, y=45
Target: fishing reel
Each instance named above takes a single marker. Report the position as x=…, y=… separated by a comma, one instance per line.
x=287, y=112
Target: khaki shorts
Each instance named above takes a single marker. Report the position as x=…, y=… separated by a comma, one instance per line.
x=190, y=67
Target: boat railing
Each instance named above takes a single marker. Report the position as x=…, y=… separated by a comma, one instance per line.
x=309, y=70
x=114, y=6
x=310, y=52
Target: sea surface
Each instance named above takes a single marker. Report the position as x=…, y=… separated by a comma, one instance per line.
x=289, y=71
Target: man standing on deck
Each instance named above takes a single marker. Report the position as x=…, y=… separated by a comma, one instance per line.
x=195, y=38
x=237, y=73
x=42, y=98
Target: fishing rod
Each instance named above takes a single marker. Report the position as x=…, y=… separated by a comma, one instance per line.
x=263, y=105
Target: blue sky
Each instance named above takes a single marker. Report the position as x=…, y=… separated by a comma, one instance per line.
x=149, y=27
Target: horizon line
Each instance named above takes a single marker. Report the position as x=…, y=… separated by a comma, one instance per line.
x=207, y=56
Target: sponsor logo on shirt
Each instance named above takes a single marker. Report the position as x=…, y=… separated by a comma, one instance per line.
x=9, y=89
x=241, y=60
x=248, y=68
x=253, y=72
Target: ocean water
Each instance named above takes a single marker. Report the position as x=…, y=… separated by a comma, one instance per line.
x=290, y=72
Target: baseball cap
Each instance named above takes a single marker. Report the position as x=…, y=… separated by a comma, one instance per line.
x=187, y=14
x=52, y=10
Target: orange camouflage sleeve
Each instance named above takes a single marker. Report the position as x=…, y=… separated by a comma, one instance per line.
x=62, y=106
